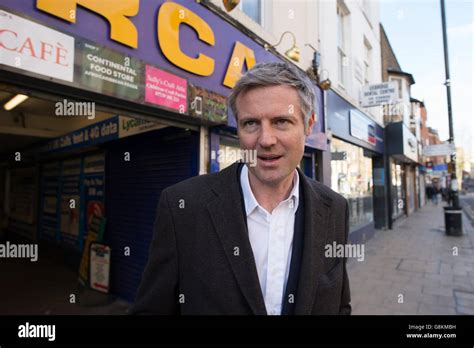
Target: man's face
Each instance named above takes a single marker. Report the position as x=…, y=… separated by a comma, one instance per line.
x=270, y=121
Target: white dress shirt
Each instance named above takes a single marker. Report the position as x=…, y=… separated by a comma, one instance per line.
x=271, y=238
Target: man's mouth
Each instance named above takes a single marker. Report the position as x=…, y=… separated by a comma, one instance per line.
x=269, y=159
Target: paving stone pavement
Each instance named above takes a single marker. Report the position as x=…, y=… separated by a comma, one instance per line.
x=415, y=269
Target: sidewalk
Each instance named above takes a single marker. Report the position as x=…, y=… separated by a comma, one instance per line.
x=412, y=270
x=45, y=288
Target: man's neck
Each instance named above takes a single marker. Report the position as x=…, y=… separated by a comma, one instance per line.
x=269, y=196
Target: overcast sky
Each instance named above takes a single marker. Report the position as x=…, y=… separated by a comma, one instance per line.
x=415, y=33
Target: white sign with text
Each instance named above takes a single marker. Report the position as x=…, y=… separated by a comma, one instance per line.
x=379, y=94
x=35, y=48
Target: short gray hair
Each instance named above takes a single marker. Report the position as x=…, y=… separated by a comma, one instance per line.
x=276, y=74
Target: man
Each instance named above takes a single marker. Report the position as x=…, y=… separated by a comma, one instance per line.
x=251, y=239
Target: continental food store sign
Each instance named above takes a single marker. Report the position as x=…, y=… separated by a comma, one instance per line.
x=179, y=37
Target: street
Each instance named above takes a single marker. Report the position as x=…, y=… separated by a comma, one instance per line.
x=416, y=268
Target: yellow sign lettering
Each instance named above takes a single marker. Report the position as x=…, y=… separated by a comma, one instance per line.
x=116, y=12
x=170, y=17
x=242, y=54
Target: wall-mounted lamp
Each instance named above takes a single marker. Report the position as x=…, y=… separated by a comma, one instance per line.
x=293, y=53
x=15, y=101
x=316, y=59
x=230, y=4
x=325, y=84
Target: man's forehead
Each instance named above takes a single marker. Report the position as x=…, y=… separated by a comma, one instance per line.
x=253, y=101
x=290, y=90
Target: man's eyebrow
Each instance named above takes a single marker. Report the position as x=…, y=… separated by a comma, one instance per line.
x=284, y=116
x=248, y=117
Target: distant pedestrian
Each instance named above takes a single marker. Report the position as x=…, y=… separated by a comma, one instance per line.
x=436, y=193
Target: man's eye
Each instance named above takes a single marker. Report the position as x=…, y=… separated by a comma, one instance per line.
x=283, y=121
x=249, y=123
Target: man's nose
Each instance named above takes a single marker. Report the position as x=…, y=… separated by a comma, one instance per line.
x=267, y=136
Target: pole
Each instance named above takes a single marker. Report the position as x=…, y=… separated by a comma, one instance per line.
x=453, y=187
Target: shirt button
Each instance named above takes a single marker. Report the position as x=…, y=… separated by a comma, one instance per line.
x=273, y=312
x=291, y=204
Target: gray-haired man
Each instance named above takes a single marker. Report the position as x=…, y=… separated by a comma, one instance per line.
x=251, y=238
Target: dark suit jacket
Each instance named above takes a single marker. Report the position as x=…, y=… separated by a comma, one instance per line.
x=201, y=261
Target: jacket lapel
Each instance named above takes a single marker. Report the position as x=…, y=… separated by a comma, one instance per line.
x=229, y=222
x=317, y=207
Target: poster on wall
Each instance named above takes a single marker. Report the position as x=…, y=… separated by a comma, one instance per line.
x=99, y=269
x=94, y=188
x=109, y=72
x=70, y=215
x=95, y=233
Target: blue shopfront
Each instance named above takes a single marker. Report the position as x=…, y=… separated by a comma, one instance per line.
x=357, y=165
x=137, y=62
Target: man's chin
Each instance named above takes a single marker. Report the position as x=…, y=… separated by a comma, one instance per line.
x=269, y=176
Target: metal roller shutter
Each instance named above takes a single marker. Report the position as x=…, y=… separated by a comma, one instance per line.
x=158, y=159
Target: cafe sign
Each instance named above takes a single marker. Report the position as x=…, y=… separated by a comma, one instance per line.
x=33, y=47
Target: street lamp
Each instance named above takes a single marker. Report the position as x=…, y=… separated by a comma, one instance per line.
x=454, y=185
x=453, y=213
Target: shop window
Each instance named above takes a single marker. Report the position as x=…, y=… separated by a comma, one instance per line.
x=351, y=176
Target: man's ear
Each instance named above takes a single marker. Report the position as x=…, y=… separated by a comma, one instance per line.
x=312, y=121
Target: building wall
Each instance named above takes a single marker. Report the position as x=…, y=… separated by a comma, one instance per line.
x=315, y=23
x=423, y=126
x=389, y=60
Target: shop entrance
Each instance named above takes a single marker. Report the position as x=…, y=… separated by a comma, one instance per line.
x=71, y=167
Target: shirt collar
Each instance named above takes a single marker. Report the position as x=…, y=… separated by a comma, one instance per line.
x=249, y=198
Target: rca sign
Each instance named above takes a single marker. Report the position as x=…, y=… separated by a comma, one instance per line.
x=170, y=17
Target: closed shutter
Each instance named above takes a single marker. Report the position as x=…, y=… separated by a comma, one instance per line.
x=158, y=159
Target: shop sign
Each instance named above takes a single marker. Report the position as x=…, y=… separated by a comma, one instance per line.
x=443, y=167
x=165, y=89
x=362, y=128
x=439, y=150
x=35, y=48
x=108, y=72
x=131, y=126
x=170, y=17
x=410, y=149
x=94, y=134
x=207, y=105
x=379, y=94
x=351, y=125
x=113, y=128
x=181, y=36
